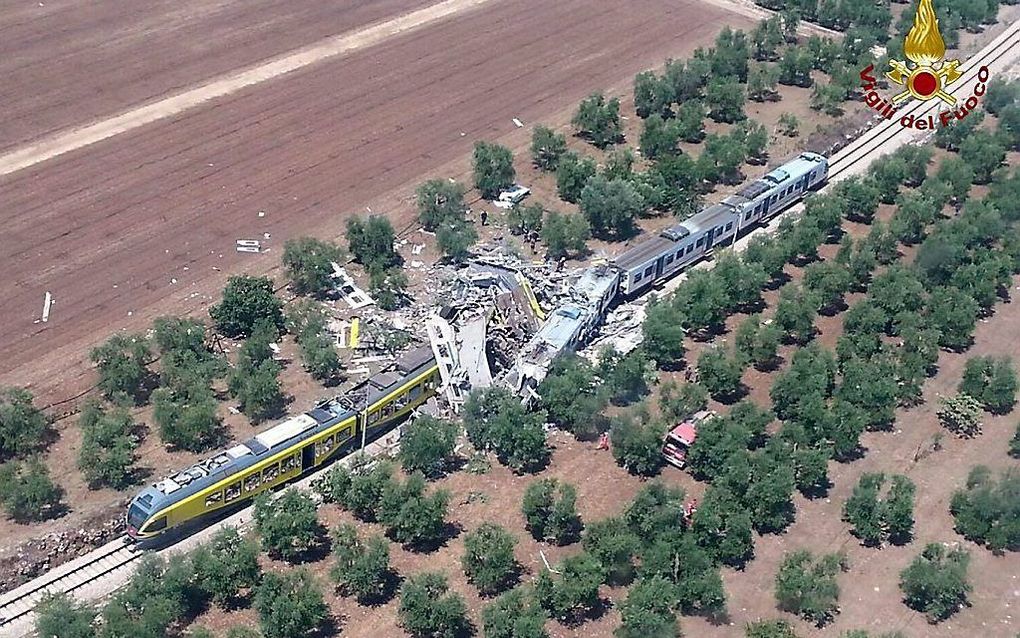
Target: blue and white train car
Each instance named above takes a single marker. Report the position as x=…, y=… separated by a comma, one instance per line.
x=683, y=244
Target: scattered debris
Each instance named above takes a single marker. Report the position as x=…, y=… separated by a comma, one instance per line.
x=354, y=296
x=248, y=246
x=47, y=303
x=518, y=123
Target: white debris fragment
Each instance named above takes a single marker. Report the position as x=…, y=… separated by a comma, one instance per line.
x=47, y=302
x=518, y=123
x=173, y=280
x=262, y=213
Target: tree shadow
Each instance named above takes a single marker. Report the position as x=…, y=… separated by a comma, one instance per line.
x=771, y=365
x=815, y=492
x=780, y=280
x=449, y=532
x=834, y=308
x=316, y=552
x=329, y=627
x=389, y=585
x=732, y=397
x=148, y=385
x=597, y=611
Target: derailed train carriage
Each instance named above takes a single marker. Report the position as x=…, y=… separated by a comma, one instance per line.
x=287, y=450
x=659, y=258
x=685, y=243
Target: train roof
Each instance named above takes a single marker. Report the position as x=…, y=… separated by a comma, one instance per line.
x=642, y=252
x=710, y=217
x=282, y=435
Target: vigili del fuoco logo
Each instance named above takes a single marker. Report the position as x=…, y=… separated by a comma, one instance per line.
x=925, y=77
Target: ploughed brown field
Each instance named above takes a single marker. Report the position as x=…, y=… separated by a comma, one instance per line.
x=108, y=227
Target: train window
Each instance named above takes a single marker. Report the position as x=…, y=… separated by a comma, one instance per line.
x=690, y=248
x=729, y=227
x=747, y=216
x=213, y=499
x=373, y=416
x=253, y=482
x=233, y=491
x=415, y=392
x=270, y=473
x=700, y=242
x=327, y=445
x=289, y=463
x=157, y=525
x=669, y=258
x=648, y=271
x=401, y=401
x=637, y=277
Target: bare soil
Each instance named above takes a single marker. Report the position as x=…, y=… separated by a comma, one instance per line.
x=143, y=224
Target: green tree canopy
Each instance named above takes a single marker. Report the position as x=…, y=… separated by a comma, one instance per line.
x=361, y=567
x=488, y=559
x=493, y=168
x=807, y=586
x=427, y=445
x=935, y=582
x=440, y=200
x=611, y=207
x=246, y=299
x=428, y=609
x=27, y=491
x=566, y=235
x=514, y=614
x=410, y=515
x=288, y=525
x=290, y=605
x=988, y=511
x=598, y=120
x=309, y=264
x=22, y=425
x=574, y=594
x=60, y=616
x=371, y=242
x=550, y=510
x=107, y=451
x=122, y=363
x=227, y=565
x=495, y=419
x=547, y=146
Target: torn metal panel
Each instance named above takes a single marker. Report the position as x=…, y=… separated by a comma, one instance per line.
x=350, y=292
x=472, y=352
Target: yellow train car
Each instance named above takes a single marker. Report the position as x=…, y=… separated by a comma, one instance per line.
x=287, y=450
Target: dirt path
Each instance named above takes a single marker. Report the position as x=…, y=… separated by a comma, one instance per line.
x=176, y=104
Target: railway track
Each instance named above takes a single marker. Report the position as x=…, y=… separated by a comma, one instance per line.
x=75, y=577
x=68, y=578
x=846, y=159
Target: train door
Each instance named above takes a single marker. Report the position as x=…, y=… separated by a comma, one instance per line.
x=766, y=204
x=708, y=240
x=307, y=457
x=659, y=266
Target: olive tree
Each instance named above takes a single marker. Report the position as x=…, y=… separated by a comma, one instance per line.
x=488, y=559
